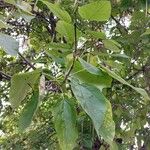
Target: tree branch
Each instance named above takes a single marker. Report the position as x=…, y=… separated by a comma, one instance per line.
x=27, y=61
x=137, y=72
x=119, y=25
x=4, y=75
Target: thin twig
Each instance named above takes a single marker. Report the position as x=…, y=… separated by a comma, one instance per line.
x=26, y=60
x=136, y=73
x=5, y=76
x=119, y=24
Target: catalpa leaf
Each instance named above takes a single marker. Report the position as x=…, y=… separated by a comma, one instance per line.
x=29, y=111
x=92, y=101
x=96, y=11
x=107, y=130
x=65, y=124
x=58, y=11
x=96, y=34
x=87, y=73
x=21, y=84
x=90, y=68
x=97, y=107
x=117, y=77
x=112, y=45
x=67, y=30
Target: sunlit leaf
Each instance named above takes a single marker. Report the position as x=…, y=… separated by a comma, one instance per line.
x=13, y=2
x=3, y=24
x=98, y=78
x=58, y=11
x=98, y=11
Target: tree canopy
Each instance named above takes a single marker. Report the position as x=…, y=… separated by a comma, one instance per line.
x=75, y=74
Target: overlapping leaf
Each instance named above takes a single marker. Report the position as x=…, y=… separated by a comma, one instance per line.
x=96, y=34
x=60, y=13
x=87, y=73
x=21, y=84
x=117, y=77
x=29, y=111
x=67, y=30
x=65, y=124
x=97, y=107
x=112, y=45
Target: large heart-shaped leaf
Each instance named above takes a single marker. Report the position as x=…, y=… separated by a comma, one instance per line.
x=65, y=124
x=9, y=44
x=29, y=111
x=92, y=101
x=97, y=107
x=21, y=84
x=96, y=11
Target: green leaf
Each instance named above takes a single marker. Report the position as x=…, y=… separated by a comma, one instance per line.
x=107, y=130
x=3, y=24
x=96, y=11
x=26, y=16
x=90, y=68
x=9, y=44
x=60, y=46
x=13, y=2
x=25, y=7
x=21, y=84
x=120, y=56
x=117, y=77
x=95, y=34
x=112, y=45
x=65, y=124
x=67, y=30
x=29, y=111
x=97, y=107
x=92, y=101
x=147, y=32
x=60, y=13
x=86, y=75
